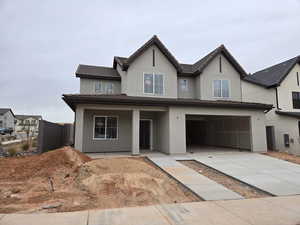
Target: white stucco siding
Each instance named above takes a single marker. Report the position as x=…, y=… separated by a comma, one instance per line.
x=87, y=86
x=287, y=86
x=285, y=125
x=212, y=72
x=255, y=93
x=177, y=117
x=143, y=64
x=8, y=120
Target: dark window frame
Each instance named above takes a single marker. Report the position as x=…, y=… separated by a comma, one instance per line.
x=220, y=64
x=153, y=57
x=296, y=99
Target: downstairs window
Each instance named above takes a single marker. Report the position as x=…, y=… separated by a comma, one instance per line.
x=105, y=127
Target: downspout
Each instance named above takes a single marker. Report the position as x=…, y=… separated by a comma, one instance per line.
x=277, y=103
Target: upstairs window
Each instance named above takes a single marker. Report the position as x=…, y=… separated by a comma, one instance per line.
x=183, y=84
x=296, y=100
x=153, y=83
x=104, y=88
x=221, y=88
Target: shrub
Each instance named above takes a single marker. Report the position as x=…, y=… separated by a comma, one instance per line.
x=12, y=152
x=25, y=146
x=34, y=144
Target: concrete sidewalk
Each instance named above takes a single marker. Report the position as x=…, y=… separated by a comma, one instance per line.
x=204, y=187
x=263, y=211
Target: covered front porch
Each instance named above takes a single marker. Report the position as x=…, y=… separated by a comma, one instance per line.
x=121, y=129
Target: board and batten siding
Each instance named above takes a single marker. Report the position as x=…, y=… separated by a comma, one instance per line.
x=122, y=143
x=190, y=91
x=87, y=86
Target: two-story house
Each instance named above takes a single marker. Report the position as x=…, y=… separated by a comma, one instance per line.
x=28, y=123
x=150, y=101
x=7, y=118
x=280, y=85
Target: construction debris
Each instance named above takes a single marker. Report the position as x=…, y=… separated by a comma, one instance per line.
x=67, y=180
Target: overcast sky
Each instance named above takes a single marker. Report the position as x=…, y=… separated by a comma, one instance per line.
x=42, y=42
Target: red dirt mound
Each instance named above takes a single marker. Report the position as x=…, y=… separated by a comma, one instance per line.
x=44, y=165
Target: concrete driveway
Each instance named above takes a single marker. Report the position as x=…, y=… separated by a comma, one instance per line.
x=275, y=176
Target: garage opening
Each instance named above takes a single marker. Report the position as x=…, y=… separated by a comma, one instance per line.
x=203, y=132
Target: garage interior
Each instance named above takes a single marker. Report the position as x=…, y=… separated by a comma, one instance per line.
x=204, y=132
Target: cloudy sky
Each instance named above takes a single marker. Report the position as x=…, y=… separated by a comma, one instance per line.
x=42, y=42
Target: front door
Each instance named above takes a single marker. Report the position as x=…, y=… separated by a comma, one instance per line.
x=270, y=137
x=145, y=134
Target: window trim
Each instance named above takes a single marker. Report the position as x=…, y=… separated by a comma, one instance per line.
x=229, y=89
x=187, y=85
x=104, y=89
x=105, y=139
x=153, y=88
x=298, y=93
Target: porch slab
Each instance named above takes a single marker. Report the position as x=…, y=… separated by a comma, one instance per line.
x=272, y=175
x=199, y=184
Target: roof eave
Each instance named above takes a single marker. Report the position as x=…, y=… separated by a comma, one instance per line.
x=73, y=100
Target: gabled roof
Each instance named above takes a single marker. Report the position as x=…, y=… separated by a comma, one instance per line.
x=125, y=62
x=22, y=117
x=182, y=69
x=201, y=64
x=5, y=110
x=91, y=72
x=274, y=75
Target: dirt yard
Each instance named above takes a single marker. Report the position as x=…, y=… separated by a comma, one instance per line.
x=67, y=180
x=284, y=156
x=244, y=190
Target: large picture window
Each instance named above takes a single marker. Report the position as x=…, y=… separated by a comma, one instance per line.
x=221, y=88
x=296, y=100
x=105, y=127
x=153, y=83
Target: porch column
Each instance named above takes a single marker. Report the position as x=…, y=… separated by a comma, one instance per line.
x=258, y=131
x=135, y=132
x=79, y=128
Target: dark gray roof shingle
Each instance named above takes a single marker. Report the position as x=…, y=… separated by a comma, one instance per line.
x=88, y=71
x=274, y=75
x=182, y=69
x=5, y=110
x=22, y=117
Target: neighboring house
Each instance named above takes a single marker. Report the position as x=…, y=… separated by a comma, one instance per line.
x=7, y=118
x=28, y=123
x=150, y=101
x=280, y=86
